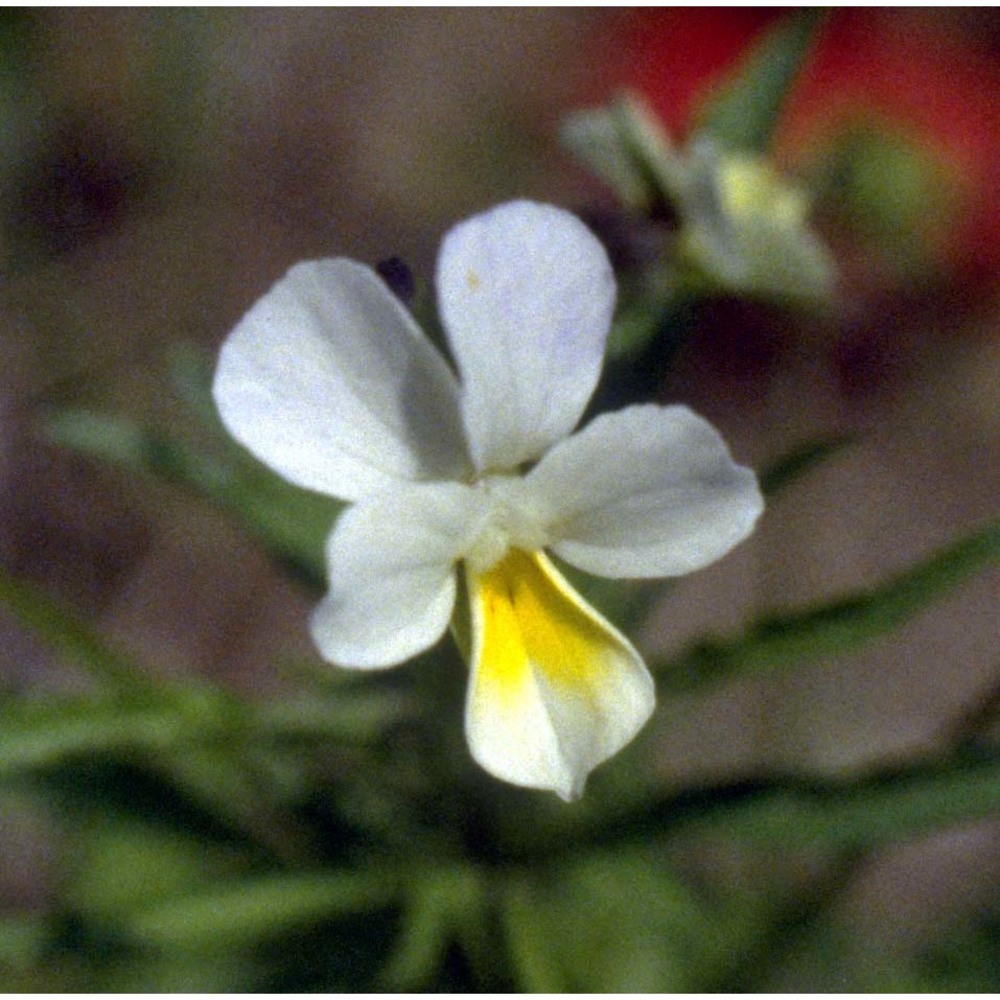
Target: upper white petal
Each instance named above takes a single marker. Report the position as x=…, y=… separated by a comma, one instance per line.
x=648, y=491
x=392, y=573
x=526, y=294
x=329, y=381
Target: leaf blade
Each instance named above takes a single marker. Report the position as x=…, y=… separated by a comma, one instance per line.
x=744, y=112
x=781, y=641
x=291, y=523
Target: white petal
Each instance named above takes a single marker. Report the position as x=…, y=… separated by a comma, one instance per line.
x=392, y=573
x=555, y=689
x=329, y=381
x=526, y=294
x=648, y=491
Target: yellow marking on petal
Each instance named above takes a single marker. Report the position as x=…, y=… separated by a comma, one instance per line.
x=531, y=619
x=555, y=688
x=473, y=281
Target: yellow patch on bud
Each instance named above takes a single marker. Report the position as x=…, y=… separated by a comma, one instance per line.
x=750, y=188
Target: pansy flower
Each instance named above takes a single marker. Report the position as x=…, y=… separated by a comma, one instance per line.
x=742, y=227
x=478, y=475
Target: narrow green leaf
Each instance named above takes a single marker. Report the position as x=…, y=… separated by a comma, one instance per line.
x=750, y=951
x=613, y=921
x=195, y=741
x=800, y=460
x=862, y=813
x=121, y=862
x=224, y=780
x=966, y=960
x=439, y=904
x=191, y=972
x=793, y=813
x=40, y=734
x=355, y=717
x=293, y=524
x=70, y=636
x=786, y=639
x=251, y=910
x=743, y=113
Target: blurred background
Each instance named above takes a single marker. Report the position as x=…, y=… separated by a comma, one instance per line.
x=160, y=169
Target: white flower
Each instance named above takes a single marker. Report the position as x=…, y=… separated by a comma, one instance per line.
x=329, y=381
x=743, y=226
x=747, y=226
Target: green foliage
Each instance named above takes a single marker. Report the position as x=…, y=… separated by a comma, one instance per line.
x=44, y=732
x=198, y=834
x=832, y=815
x=236, y=914
x=68, y=635
x=841, y=626
x=608, y=922
x=292, y=523
x=966, y=961
x=744, y=112
x=442, y=906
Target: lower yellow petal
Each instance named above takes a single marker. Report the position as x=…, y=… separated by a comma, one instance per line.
x=555, y=688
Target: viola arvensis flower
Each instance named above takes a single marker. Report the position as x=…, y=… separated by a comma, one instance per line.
x=329, y=380
x=742, y=227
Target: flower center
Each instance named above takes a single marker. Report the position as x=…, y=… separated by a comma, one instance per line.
x=509, y=522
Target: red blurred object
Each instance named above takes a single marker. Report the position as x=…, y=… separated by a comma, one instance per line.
x=936, y=73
